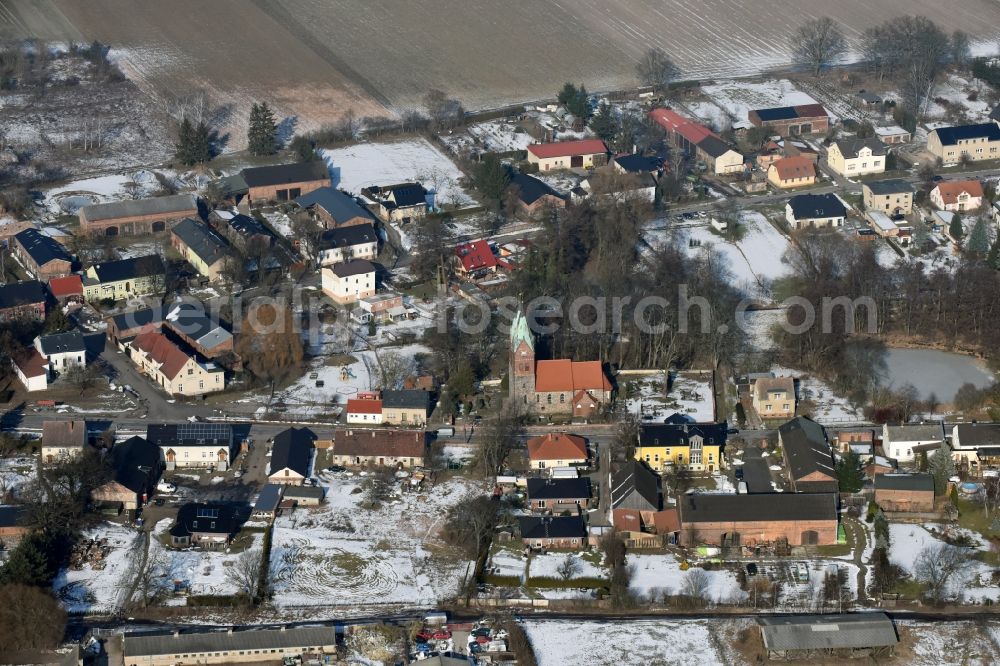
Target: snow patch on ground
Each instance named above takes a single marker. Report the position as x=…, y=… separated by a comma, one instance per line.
x=652, y=573
x=739, y=97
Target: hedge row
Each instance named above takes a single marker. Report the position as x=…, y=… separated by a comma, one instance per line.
x=552, y=582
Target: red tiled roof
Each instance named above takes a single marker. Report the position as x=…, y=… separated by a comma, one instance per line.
x=358, y=406
x=568, y=148
x=950, y=190
x=161, y=350
x=626, y=520
x=667, y=521
x=389, y=443
x=71, y=285
x=475, y=255
x=810, y=111
x=567, y=375
x=794, y=167
x=672, y=121
x=557, y=446
x=31, y=363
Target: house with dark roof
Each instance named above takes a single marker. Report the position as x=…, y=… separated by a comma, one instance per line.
x=193, y=444
x=534, y=195
x=406, y=407
x=354, y=447
x=334, y=208
x=243, y=231
x=268, y=501
x=22, y=300
x=123, y=279
x=815, y=210
x=751, y=520
x=905, y=492
x=807, y=637
x=549, y=495
x=633, y=485
x=348, y=282
x=857, y=157
x=62, y=351
x=808, y=456
x=343, y=244
x=127, y=325
x=303, y=495
x=139, y=216
x=892, y=197
x=284, y=182
x=903, y=442
x=201, y=246
x=136, y=469
x=151, y=648
x=965, y=142
x=189, y=322
x=207, y=526
x=43, y=256
x=291, y=456
x=568, y=532
x=637, y=164
x=976, y=445
x=693, y=446
x=792, y=120
x=401, y=203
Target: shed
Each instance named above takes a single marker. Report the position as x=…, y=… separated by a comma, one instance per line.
x=801, y=635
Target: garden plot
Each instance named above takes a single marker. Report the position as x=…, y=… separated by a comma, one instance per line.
x=690, y=394
x=955, y=92
x=737, y=98
x=971, y=584
x=828, y=407
x=956, y=642
x=547, y=566
x=497, y=136
x=676, y=642
x=361, y=165
x=662, y=574
x=342, y=555
x=506, y=562
x=102, y=586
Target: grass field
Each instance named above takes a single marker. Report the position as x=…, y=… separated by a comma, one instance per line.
x=314, y=59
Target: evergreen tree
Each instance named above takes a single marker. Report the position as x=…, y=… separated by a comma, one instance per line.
x=185, y=135
x=194, y=144
x=993, y=258
x=604, y=124
x=27, y=564
x=849, y=475
x=491, y=177
x=202, y=143
x=955, y=228
x=979, y=239
x=262, y=133
x=567, y=94
x=941, y=467
x=920, y=235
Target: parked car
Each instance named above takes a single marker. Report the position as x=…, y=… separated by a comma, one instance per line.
x=165, y=487
x=751, y=569
x=336, y=468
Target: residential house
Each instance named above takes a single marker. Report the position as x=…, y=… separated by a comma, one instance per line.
x=905, y=492
x=267, y=503
x=861, y=442
x=699, y=142
x=401, y=203
x=868, y=99
x=556, y=449
x=774, y=397
x=883, y=225
x=893, y=134
x=334, y=209
x=205, y=526
x=892, y=197
x=227, y=647
x=68, y=289
x=295, y=496
x=63, y=440
x=206, y=336
x=548, y=495
x=560, y=532
x=976, y=445
x=857, y=157
x=383, y=308
x=971, y=142
x=475, y=259
x=126, y=278
x=633, y=485
x=578, y=154
x=957, y=195
x=364, y=411
x=800, y=637
x=22, y=300
x=291, y=457
x=382, y=448
x=350, y=282
x=284, y=182
x=137, y=217
x=815, y=210
x=193, y=444
x=904, y=442
x=246, y=233
x=176, y=371
x=13, y=525
x=407, y=407
x=43, y=256
x=693, y=446
x=343, y=244
x=792, y=120
x=62, y=351
x=534, y=195
x=752, y=520
x=607, y=183
x=136, y=468
x=790, y=172
x=635, y=163
x=201, y=246
x=32, y=369
x=128, y=325
x=808, y=456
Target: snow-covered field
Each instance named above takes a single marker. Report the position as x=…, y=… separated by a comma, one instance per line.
x=680, y=642
x=829, y=407
x=340, y=554
x=652, y=574
x=91, y=590
x=690, y=394
x=737, y=98
x=958, y=642
x=547, y=566
x=955, y=90
x=355, y=167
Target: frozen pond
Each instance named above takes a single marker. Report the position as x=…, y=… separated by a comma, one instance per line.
x=932, y=371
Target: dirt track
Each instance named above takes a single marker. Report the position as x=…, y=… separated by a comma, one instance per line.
x=314, y=59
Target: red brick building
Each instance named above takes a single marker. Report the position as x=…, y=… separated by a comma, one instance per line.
x=285, y=182
x=43, y=256
x=564, y=532
x=749, y=520
x=792, y=120
x=905, y=492
x=136, y=217
x=22, y=300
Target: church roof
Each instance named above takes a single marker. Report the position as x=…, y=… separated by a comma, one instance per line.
x=519, y=332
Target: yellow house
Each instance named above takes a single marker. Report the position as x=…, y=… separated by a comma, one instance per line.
x=972, y=142
x=407, y=407
x=774, y=397
x=857, y=157
x=119, y=280
x=791, y=172
x=692, y=446
x=201, y=246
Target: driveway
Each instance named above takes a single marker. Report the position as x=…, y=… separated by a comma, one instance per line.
x=153, y=400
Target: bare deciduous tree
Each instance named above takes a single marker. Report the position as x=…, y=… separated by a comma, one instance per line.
x=817, y=44
x=936, y=566
x=656, y=68
x=498, y=438
x=245, y=572
x=696, y=584
x=569, y=567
